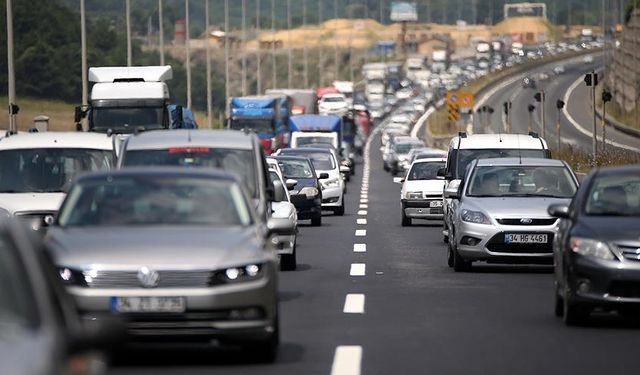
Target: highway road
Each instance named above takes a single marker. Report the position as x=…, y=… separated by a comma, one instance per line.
x=576, y=122
x=409, y=313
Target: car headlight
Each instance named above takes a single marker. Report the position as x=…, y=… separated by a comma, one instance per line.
x=71, y=277
x=413, y=195
x=334, y=182
x=476, y=217
x=588, y=247
x=239, y=274
x=309, y=191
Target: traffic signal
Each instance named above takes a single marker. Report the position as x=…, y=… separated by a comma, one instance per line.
x=539, y=96
x=606, y=96
x=505, y=107
x=531, y=107
x=591, y=79
x=559, y=104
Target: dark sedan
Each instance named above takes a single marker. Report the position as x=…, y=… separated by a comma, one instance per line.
x=307, y=193
x=597, y=249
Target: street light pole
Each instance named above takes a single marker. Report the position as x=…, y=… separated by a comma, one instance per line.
x=244, y=49
x=259, y=51
x=188, y=51
x=335, y=39
x=128, y=21
x=160, y=32
x=227, y=91
x=83, y=58
x=208, y=57
x=289, y=51
x=13, y=108
x=273, y=45
x=320, y=41
x=305, y=56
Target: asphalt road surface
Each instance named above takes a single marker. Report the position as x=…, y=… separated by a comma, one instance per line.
x=409, y=313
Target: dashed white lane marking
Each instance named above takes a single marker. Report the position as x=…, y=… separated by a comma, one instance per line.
x=359, y=248
x=354, y=304
x=362, y=212
x=347, y=360
x=364, y=196
x=364, y=200
x=364, y=206
x=358, y=269
x=361, y=221
x=361, y=232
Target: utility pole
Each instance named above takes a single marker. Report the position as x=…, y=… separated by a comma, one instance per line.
x=160, y=32
x=320, y=41
x=381, y=9
x=606, y=97
x=559, y=106
x=13, y=108
x=83, y=58
x=273, y=45
x=244, y=49
x=259, y=53
x=305, y=56
x=227, y=91
x=128, y=21
x=188, y=51
x=289, y=50
x=428, y=11
x=208, y=57
x=335, y=39
x=591, y=79
x=540, y=97
x=530, y=108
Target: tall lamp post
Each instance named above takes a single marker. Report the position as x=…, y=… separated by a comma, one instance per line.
x=13, y=108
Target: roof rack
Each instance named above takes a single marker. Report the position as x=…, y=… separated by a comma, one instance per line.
x=534, y=135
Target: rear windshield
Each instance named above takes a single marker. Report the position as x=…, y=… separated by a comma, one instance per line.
x=425, y=171
x=466, y=156
x=240, y=162
x=522, y=181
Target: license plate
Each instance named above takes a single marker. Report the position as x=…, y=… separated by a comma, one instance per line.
x=148, y=304
x=435, y=204
x=525, y=238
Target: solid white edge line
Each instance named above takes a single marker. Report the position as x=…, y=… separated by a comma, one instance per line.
x=358, y=269
x=359, y=248
x=421, y=121
x=354, y=304
x=361, y=232
x=347, y=360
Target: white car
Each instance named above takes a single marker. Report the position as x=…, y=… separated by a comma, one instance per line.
x=37, y=168
x=282, y=208
x=421, y=195
x=333, y=104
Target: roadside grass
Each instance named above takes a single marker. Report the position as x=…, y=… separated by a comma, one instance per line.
x=581, y=160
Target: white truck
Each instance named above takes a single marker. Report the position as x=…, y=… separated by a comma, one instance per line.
x=128, y=99
x=439, y=60
x=413, y=65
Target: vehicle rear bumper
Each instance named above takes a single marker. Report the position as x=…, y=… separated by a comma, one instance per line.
x=421, y=209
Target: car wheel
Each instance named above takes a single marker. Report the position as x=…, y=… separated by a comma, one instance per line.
x=386, y=168
x=559, y=303
x=449, y=256
x=316, y=220
x=340, y=210
x=288, y=262
x=406, y=221
x=266, y=351
x=574, y=314
x=394, y=172
x=459, y=264
x=445, y=237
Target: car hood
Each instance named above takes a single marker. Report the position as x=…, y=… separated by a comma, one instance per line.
x=430, y=186
x=609, y=228
x=159, y=247
x=31, y=202
x=513, y=207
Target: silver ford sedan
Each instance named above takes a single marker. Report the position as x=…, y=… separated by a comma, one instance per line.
x=180, y=253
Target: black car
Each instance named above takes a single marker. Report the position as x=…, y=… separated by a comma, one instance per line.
x=306, y=195
x=528, y=82
x=42, y=332
x=597, y=249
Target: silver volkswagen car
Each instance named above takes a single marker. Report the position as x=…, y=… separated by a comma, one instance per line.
x=179, y=252
x=500, y=211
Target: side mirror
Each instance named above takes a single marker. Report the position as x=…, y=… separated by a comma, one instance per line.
x=344, y=169
x=279, y=194
x=559, y=210
x=282, y=227
x=323, y=176
x=102, y=334
x=452, y=193
x=291, y=183
x=398, y=180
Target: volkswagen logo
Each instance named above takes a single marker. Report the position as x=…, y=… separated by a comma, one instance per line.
x=526, y=221
x=148, y=278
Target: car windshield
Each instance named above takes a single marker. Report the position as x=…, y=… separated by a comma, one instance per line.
x=333, y=99
x=127, y=119
x=304, y=141
x=240, y=162
x=614, y=195
x=521, y=181
x=404, y=148
x=155, y=200
x=18, y=309
x=322, y=161
x=425, y=171
x=430, y=155
x=296, y=168
x=466, y=156
x=48, y=170
x=257, y=125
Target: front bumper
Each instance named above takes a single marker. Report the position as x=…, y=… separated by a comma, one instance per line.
x=490, y=245
x=308, y=208
x=421, y=209
x=233, y=312
x=607, y=283
x=332, y=196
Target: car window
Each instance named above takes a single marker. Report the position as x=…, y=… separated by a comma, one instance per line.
x=155, y=200
x=48, y=170
x=425, y=171
x=514, y=181
x=466, y=156
x=240, y=162
x=404, y=148
x=321, y=160
x=296, y=169
x=614, y=195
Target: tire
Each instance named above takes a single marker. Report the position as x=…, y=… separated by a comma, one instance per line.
x=316, y=220
x=406, y=221
x=445, y=237
x=386, y=167
x=559, y=303
x=288, y=262
x=340, y=210
x=574, y=314
x=267, y=351
x=459, y=264
x=449, y=256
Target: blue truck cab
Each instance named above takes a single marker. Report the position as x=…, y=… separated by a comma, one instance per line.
x=263, y=116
